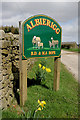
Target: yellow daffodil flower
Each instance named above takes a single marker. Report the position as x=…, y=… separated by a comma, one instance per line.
x=39, y=109
x=39, y=101
x=40, y=65
x=42, y=103
x=43, y=67
x=48, y=69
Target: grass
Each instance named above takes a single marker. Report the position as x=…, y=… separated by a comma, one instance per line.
x=60, y=104
x=73, y=49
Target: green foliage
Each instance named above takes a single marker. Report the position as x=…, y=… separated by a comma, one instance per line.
x=43, y=61
x=73, y=49
x=12, y=29
x=40, y=76
x=16, y=31
x=41, y=72
x=9, y=114
x=60, y=104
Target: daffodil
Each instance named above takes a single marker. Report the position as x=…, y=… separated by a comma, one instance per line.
x=43, y=67
x=48, y=69
x=41, y=103
x=39, y=109
x=40, y=65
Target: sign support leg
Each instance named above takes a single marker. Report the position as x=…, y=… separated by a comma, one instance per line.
x=23, y=83
x=56, y=73
x=22, y=72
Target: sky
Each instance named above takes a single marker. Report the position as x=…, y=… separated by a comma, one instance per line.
x=65, y=12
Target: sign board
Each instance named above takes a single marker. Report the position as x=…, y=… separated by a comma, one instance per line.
x=41, y=37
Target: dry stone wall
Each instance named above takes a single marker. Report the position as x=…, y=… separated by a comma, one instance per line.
x=9, y=68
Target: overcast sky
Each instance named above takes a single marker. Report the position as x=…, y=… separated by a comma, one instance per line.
x=65, y=13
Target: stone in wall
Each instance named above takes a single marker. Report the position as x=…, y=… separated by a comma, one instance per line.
x=2, y=34
x=4, y=103
x=4, y=44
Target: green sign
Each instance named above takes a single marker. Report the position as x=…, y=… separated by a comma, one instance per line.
x=41, y=37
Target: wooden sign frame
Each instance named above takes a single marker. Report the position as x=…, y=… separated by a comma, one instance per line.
x=23, y=71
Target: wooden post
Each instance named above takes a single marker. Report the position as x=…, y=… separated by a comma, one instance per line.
x=56, y=73
x=24, y=82
x=22, y=72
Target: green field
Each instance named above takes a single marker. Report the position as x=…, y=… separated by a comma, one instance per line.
x=73, y=49
x=60, y=104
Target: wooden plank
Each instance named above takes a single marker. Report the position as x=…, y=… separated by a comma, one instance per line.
x=56, y=73
x=22, y=72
